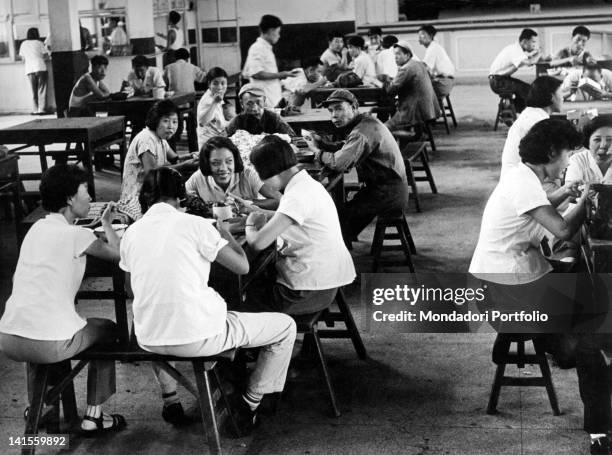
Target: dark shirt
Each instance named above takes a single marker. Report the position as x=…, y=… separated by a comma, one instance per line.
x=269, y=123
x=372, y=150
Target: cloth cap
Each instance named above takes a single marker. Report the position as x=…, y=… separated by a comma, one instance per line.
x=404, y=45
x=252, y=89
x=341, y=95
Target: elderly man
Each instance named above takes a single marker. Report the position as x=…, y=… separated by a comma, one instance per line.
x=417, y=102
x=260, y=66
x=372, y=150
x=255, y=118
x=508, y=61
x=438, y=63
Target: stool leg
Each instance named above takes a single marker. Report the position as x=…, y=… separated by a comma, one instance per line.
x=68, y=398
x=431, y=136
x=441, y=103
x=377, y=245
x=405, y=246
x=497, y=383
x=41, y=376
x=428, y=173
x=325, y=371
x=500, y=107
x=408, y=236
x=538, y=344
x=452, y=112
x=413, y=184
x=207, y=407
x=230, y=414
x=350, y=325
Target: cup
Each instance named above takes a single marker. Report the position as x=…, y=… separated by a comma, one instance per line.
x=159, y=93
x=221, y=212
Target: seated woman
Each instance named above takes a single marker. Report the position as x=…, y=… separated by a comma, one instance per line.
x=313, y=261
x=593, y=164
x=148, y=150
x=40, y=324
x=222, y=177
x=177, y=313
x=507, y=256
x=214, y=113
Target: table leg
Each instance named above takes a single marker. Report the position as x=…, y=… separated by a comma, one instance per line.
x=192, y=136
x=87, y=164
x=42, y=154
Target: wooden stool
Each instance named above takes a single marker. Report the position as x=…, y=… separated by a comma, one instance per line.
x=502, y=357
x=397, y=221
x=506, y=111
x=446, y=111
x=308, y=325
x=412, y=153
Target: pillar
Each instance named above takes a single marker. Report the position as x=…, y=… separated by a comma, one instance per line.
x=140, y=26
x=68, y=60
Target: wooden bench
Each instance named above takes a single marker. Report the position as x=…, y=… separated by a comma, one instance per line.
x=413, y=153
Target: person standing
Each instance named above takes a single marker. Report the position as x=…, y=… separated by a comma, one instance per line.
x=33, y=52
x=260, y=66
x=508, y=61
x=174, y=38
x=438, y=63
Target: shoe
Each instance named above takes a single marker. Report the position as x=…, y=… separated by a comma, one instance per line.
x=245, y=419
x=601, y=446
x=119, y=424
x=175, y=415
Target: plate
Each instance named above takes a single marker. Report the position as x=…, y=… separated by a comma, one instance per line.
x=119, y=228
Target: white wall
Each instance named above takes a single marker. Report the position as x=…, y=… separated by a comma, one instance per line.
x=15, y=91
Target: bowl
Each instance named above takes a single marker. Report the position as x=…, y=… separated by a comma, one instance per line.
x=119, y=228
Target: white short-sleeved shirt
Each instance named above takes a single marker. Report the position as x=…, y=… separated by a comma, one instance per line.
x=313, y=256
x=181, y=75
x=245, y=184
x=49, y=272
x=261, y=58
x=385, y=63
x=154, y=78
x=513, y=54
x=215, y=126
x=330, y=57
x=521, y=126
x=33, y=53
x=168, y=254
x=509, y=241
x=363, y=66
x=582, y=166
x=438, y=61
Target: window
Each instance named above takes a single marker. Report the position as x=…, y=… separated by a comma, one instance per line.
x=15, y=20
x=104, y=28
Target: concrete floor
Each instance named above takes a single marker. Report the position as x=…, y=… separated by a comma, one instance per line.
x=416, y=393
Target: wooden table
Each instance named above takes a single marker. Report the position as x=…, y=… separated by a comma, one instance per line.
x=368, y=95
x=135, y=108
x=316, y=119
x=602, y=106
x=92, y=132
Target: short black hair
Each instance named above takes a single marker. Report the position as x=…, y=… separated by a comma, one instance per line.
x=388, y=41
x=581, y=30
x=600, y=121
x=140, y=60
x=334, y=34
x=271, y=156
x=174, y=17
x=32, y=33
x=160, y=183
x=215, y=72
x=429, y=29
x=546, y=139
x=355, y=40
x=159, y=110
x=541, y=91
x=58, y=183
x=181, y=54
x=98, y=60
x=218, y=142
x=527, y=33
x=375, y=31
x=269, y=21
x=311, y=61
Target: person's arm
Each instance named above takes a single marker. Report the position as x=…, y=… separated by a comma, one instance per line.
x=148, y=161
x=344, y=159
x=260, y=234
x=232, y=256
x=560, y=195
x=100, y=91
x=206, y=109
x=561, y=227
x=272, y=198
x=199, y=74
x=101, y=249
x=404, y=76
x=267, y=76
x=283, y=127
x=232, y=127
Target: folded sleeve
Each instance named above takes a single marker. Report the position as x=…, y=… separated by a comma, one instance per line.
x=296, y=206
x=210, y=241
x=527, y=195
x=83, y=238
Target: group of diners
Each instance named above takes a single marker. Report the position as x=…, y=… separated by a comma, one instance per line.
x=530, y=229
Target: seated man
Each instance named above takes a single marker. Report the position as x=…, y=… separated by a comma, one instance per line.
x=574, y=54
x=385, y=63
x=416, y=99
x=374, y=46
x=592, y=71
x=438, y=63
x=362, y=65
x=89, y=87
x=255, y=118
x=372, y=150
x=298, y=88
x=508, y=61
x=143, y=79
x=335, y=57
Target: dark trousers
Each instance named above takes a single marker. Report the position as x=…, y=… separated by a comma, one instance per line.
x=192, y=136
x=368, y=202
x=594, y=381
x=38, y=82
x=519, y=88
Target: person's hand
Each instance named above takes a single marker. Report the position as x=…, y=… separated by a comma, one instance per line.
x=107, y=215
x=344, y=52
x=257, y=219
x=572, y=189
x=243, y=205
x=217, y=97
x=286, y=74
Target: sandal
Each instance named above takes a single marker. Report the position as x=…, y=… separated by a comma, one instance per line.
x=119, y=424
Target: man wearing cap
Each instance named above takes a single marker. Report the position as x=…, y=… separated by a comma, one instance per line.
x=438, y=63
x=254, y=117
x=416, y=99
x=260, y=65
x=372, y=150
